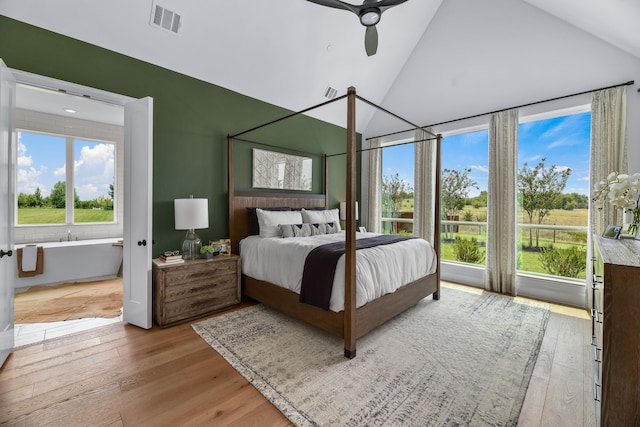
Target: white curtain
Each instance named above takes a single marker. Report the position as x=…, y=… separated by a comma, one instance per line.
x=374, y=223
x=608, y=154
x=608, y=147
x=500, y=274
x=424, y=185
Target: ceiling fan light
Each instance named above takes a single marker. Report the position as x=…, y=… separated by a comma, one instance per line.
x=369, y=17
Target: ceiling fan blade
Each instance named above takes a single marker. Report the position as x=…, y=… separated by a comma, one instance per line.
x=371, y=40
x=386, y=4
x=338, y=4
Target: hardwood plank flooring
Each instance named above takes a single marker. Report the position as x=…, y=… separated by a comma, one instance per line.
x=120, y=375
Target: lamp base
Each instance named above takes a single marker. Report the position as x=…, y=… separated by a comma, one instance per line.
x=191, y=245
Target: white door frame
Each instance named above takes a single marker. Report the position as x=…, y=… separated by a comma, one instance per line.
x=7, y=209
x=136, y=268
x=138, y=176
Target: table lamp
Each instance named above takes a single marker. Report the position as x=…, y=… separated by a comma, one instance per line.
x=343, y=211
x=191, y=214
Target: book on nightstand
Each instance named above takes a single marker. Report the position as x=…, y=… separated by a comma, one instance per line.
x=171, y=260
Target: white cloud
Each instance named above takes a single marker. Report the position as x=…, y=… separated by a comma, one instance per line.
x=23, y=159
x=480, y=168
x=89, y=191
x=94, y=170
x=533, y=158
x=29, y=180
x=564, y=142
x=61, y=171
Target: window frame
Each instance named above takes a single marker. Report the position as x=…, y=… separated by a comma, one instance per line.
x=74, y=129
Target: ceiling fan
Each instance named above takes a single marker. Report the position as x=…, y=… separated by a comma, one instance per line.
x=369, y=13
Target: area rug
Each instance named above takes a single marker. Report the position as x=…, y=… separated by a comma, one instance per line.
x=463, y=360
x=69, y=301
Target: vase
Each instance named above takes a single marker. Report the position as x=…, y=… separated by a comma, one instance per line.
x=632, y=216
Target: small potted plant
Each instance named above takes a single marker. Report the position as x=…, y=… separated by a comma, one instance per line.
x=207, y=251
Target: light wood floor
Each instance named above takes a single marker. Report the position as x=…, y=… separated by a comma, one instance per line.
x=120, y=375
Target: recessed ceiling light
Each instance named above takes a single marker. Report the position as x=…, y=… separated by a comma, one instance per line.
x=70, y=110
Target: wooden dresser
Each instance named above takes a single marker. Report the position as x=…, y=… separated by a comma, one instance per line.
x=183, y=292
x=616, y=331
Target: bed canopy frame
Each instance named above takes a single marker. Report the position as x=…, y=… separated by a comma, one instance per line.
x=351, y=323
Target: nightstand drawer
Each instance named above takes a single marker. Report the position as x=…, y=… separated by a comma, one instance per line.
x=190, y=273
x=200, y=304
x=199, y=286
x=194, y=289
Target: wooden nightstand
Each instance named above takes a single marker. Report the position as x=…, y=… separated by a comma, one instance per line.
x=183, y=292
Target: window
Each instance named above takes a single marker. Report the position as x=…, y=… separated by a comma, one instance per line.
x=39, y=159
x=463, y=193
x=397, y=188
x=93, y=178
x=45, y=179
x=553, y=194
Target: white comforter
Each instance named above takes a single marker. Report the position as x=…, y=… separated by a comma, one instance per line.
x=379, y=270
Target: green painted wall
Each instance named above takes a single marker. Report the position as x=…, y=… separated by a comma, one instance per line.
x=191, y=121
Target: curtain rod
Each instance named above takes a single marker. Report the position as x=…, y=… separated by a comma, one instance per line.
x=505, y=109
x=363, y=150
x=288, y=116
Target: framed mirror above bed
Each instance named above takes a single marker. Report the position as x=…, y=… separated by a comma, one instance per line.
x=281, y=171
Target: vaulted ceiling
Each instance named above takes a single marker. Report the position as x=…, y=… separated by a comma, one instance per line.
x=287, y=52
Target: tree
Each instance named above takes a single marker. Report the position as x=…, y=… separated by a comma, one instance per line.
x=37, y=197
x=394, y=191
x=57, y=197
x=454, y=190
x=539, y=189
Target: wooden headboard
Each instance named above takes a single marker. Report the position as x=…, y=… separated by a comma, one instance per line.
x=239, y=226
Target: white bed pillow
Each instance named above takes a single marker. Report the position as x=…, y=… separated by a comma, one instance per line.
x=269, y=221
x=317, y=217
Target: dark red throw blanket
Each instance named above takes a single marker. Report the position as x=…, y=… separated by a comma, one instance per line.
x=320, y=268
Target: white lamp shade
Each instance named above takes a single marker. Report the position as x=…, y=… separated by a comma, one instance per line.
x=343, y=211
x=191, y=213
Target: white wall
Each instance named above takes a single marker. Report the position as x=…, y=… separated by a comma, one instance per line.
x=480, y=56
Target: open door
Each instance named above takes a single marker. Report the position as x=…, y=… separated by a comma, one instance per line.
x=138, y=162
x=7, y=209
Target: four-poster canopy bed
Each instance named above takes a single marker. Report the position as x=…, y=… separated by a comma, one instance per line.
x=351, y=322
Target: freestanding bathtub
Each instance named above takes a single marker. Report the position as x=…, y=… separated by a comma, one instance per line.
x=76, y=261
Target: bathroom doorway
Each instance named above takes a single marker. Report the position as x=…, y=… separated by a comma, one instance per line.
x=86, y=108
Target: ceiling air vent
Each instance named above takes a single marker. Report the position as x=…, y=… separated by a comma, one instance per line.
x=165, y=19
x=330, y=92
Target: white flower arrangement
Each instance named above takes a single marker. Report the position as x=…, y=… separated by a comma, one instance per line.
x=621, y=190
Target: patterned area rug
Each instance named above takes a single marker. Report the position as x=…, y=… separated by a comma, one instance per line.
x=464, y=360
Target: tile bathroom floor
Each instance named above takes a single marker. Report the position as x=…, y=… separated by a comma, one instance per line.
x=31, y=333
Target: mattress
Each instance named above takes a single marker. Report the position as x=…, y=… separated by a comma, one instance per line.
x=379, y=270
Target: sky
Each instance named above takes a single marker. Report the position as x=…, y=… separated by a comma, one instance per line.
x=42, y=163
x=563, y=141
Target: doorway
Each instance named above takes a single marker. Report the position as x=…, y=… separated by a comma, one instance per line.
x=136, y=198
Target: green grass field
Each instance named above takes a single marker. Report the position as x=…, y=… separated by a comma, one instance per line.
x=57, y=216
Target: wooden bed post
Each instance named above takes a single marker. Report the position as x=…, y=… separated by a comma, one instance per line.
x=230, y=190
x=436, y=232
x=325, y=181
x=350, y=248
